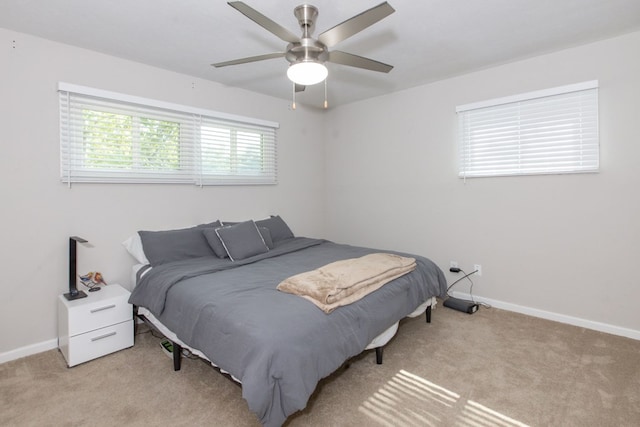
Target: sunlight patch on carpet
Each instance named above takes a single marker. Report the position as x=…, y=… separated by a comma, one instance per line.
x=408, y=400
x=475, y=414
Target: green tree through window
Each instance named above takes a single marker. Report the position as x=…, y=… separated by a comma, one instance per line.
x=119, y=141
x=226, y=150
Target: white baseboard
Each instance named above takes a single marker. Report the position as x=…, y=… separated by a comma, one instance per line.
x=562, y=318
x=28, y=350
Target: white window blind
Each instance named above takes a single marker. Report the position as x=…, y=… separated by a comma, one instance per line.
x=234, y=154
x=543, y=132
x=117, y=138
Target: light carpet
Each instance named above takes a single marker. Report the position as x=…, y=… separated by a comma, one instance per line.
x=492, y=368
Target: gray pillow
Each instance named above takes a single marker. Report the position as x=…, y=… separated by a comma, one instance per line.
x=215, y=223
x=215, y=242
x=242, y=240
x=218, y=247
x=266, y=236
x=277, y=227
x=165, y=246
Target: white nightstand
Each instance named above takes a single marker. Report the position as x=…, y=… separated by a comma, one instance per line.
x=95, y=326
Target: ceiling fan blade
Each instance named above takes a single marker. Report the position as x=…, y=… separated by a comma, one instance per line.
x=344, y=58
x=249, y=59
x=355, y=24
x=263, y=21
x=300, y=88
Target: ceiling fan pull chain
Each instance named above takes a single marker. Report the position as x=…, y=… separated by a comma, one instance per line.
x=326, y=104
x=293, y=104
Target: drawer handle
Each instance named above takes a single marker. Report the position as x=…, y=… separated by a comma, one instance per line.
x=103, y=336
x=106, y=307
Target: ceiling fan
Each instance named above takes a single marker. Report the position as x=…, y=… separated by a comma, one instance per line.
x=307, y=55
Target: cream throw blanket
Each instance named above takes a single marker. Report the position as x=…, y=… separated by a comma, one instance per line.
x=343, y=282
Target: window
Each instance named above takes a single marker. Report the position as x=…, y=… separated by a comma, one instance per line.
x=543, y=132
x=110, y=137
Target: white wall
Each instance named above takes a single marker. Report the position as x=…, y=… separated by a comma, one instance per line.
x=39, y=213
x=563, y=247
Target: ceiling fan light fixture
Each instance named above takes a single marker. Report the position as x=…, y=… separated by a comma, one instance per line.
x=307, y=73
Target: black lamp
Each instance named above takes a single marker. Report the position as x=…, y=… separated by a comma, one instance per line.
x=74, y=293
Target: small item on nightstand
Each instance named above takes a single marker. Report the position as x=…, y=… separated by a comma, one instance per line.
x=92, y=280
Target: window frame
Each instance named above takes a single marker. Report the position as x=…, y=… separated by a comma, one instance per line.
x=75, y=99
x=512, y=122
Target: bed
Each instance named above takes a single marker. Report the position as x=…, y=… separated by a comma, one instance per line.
x=277, y=345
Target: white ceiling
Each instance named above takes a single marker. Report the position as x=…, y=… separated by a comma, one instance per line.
x=426, y=40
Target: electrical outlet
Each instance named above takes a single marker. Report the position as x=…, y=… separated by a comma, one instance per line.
x=478, y=269
x=453, y=264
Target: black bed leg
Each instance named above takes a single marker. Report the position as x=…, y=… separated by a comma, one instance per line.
x=428, y=314
x=135, y=323
x=177, y=353
x=379, y=355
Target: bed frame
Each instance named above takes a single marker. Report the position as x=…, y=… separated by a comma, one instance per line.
x=177, y=348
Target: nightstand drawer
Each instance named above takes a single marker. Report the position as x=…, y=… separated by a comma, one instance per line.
x=98, y=314
x=99, y=342
x=96, y=325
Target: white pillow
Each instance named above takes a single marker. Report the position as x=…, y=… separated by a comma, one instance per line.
x=134, y=246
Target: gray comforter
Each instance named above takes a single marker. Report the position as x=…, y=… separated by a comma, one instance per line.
x=278, y=345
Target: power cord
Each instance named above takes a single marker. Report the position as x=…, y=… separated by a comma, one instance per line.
x=189, y=355
x=466, y=276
